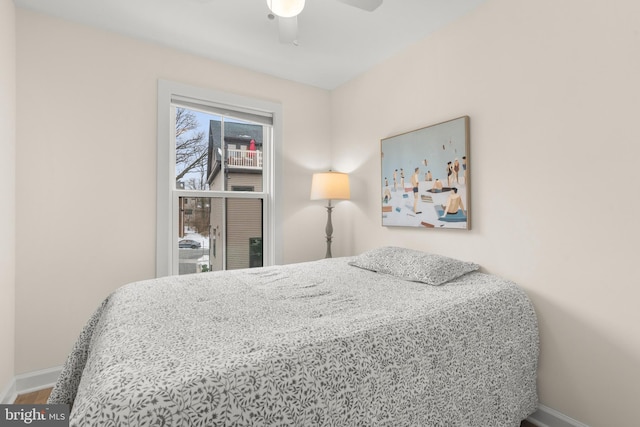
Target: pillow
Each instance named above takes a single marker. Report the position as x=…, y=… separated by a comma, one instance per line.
x=416, y=266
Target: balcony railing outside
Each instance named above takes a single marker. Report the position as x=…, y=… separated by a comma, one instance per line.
x=250, y=159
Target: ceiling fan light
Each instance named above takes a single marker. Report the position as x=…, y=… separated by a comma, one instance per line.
x=286, y=8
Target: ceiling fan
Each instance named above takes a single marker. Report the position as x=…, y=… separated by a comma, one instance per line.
x=287, y=12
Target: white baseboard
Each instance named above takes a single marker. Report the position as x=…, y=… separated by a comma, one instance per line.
x=37, y=380
x=548, y=417
x=31, y=381
x=8, y=395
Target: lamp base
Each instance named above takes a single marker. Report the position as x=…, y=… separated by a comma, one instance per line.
x=329, y=230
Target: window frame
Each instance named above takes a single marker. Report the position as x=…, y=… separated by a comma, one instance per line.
x=167, y=193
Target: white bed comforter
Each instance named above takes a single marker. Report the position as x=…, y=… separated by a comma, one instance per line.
x=310, y=344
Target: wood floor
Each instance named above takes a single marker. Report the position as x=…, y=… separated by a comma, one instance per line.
x=40, y=397
x=36, y=398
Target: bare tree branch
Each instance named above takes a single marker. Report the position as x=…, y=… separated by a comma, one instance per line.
x=193, y=165
x=191, y=146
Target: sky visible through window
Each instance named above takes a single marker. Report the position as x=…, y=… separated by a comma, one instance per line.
x=203, y=119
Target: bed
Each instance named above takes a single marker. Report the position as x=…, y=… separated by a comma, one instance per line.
x=392, y=337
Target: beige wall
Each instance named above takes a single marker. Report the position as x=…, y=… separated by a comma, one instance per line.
x=553, y=96
x=7, y=190
x=86, y=169
x=553, y=93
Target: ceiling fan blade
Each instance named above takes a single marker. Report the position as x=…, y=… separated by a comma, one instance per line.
x=288, y=30
x=368, y=5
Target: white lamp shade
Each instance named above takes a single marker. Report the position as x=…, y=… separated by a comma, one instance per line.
x=330, y=186
x=286, y=8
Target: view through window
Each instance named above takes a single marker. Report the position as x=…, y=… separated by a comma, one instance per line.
x=219, y=185
x=219, y=168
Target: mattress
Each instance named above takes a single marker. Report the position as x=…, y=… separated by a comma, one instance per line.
x=309, y=344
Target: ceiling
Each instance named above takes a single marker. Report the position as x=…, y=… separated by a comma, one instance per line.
x=336, y=42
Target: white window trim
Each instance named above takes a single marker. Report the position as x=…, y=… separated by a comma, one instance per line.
x=167, y=90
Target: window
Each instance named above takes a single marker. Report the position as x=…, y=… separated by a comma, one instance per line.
x=219, y=159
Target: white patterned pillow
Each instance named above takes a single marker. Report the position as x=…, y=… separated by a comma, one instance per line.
x=416, y=266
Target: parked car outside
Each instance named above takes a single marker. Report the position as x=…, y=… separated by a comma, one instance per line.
x=189, y=244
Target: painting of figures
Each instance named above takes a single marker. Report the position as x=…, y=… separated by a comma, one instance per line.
x=425, y=177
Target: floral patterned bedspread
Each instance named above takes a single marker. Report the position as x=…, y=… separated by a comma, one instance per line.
x=318, y=343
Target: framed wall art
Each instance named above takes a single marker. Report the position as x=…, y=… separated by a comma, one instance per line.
x=425, y=177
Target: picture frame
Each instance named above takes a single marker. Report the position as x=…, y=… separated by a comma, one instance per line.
x=425, y=177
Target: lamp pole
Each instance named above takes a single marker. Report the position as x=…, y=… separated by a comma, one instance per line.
x=329, y=229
